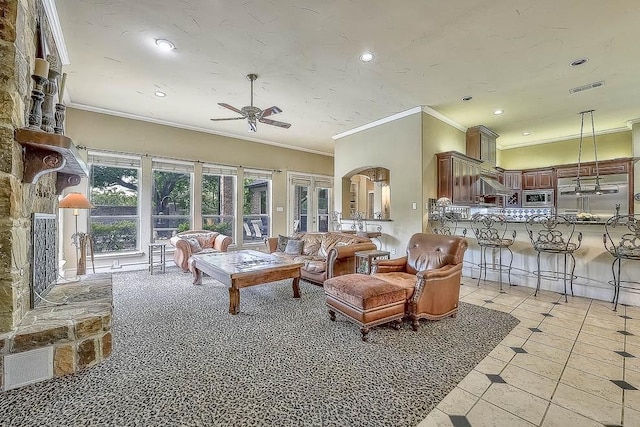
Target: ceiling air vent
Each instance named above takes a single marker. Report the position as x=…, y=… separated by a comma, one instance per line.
x=587, y=87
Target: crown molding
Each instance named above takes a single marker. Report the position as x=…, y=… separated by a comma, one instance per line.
x=106, y=111
x=379, y=122
x=433, y=113
x=54, y=23
x=423, y=108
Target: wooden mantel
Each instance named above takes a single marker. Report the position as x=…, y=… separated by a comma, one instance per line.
x=49, y=152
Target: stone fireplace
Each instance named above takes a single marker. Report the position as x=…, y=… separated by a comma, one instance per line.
x=50, y=340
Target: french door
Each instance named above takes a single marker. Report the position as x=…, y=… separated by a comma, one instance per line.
x=310, y=202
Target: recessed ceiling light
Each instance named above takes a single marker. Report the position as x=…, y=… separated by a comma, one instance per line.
x=159, y=94
x=526, y=133
x=578, y=62
x=467, y=98
x=366, y=57
x=498, y=112
x=165, y=44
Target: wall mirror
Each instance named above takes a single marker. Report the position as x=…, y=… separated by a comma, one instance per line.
x=367, y=190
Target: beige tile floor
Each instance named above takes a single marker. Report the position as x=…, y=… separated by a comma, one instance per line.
x=561, y=376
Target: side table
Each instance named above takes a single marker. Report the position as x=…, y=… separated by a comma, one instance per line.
x=364, y=258
x=160, y=249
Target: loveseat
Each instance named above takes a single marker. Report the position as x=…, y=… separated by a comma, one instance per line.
x=324, y=255
x=192, y=242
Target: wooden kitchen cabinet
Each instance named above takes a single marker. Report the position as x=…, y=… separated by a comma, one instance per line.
x=605, y=167
x=571, y=171
x=609, y=168
x=481, y=144
x=537, y=179
x=458, y=178
x=512, y=179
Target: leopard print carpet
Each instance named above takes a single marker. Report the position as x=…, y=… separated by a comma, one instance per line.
x=180, y=359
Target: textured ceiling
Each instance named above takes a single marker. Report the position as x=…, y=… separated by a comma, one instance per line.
x=507, y=54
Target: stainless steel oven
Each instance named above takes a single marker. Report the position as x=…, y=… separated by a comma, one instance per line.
x=537, y=198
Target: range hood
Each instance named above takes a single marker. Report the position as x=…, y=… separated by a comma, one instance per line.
x=491, y=187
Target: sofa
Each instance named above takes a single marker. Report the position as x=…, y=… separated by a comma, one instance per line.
x=324, y=255
x=430, y=274
x=193, y=242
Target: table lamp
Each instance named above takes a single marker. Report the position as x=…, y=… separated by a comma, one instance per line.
x=76, y=201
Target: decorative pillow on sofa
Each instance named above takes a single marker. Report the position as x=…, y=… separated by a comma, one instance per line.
x=331, y=240
x=194, y=243
x=282, y=243
x=294, y=247
x=311, y=244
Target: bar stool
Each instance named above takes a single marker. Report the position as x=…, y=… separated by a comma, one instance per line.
x=443, y=224
x=554, y=234
x=490, y=231
x=625, y=246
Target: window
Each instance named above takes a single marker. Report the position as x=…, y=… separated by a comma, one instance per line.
x=256, y=205
x=218, y=199
x=114, y=222
x=170, y=198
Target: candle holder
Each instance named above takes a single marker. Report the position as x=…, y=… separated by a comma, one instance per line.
x=37, y=96
x=59, y=115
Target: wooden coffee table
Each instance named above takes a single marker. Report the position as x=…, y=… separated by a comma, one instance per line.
x=241, y=269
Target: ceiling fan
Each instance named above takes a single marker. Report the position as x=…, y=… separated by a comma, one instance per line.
x=254, y=114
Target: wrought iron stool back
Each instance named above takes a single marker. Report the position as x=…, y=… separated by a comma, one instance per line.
x=443, y=224
x=491, y=233
x=622, y=240
x=554, y=234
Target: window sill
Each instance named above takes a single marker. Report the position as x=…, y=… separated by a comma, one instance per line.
x=115, y=255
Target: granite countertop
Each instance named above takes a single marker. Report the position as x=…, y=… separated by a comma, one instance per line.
x=515, y=221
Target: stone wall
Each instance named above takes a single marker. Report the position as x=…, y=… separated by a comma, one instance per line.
x=18, y=47
x=79, y=332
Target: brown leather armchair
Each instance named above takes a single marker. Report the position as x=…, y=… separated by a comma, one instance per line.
x=430, y=273
x=193, y=242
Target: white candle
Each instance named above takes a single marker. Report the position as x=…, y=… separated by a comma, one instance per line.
x=63, y=82
x=42, y=68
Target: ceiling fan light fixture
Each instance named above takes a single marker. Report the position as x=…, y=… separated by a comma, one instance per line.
x=159, y=94
x=498, y=112
x=253, y=126
x=165, y=45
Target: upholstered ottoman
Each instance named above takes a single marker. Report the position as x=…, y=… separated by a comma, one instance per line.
x=365, y=300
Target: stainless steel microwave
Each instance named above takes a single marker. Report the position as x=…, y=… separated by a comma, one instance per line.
x=537, y=198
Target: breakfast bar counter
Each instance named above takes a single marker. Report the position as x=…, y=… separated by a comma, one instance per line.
x=593, y=273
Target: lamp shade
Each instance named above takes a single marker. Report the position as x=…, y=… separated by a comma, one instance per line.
x=75, y=201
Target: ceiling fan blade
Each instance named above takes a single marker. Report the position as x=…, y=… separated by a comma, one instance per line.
x=269, y=111
x=227, y=118
x=275, y=123
x=222, y=104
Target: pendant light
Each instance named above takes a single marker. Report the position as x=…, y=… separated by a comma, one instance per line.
x=597, y=189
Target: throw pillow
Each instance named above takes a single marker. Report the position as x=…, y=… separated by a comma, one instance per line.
x=294, y=247
x=195, y=244
x=312, y=244
x=282, y=243
x=330, y=240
